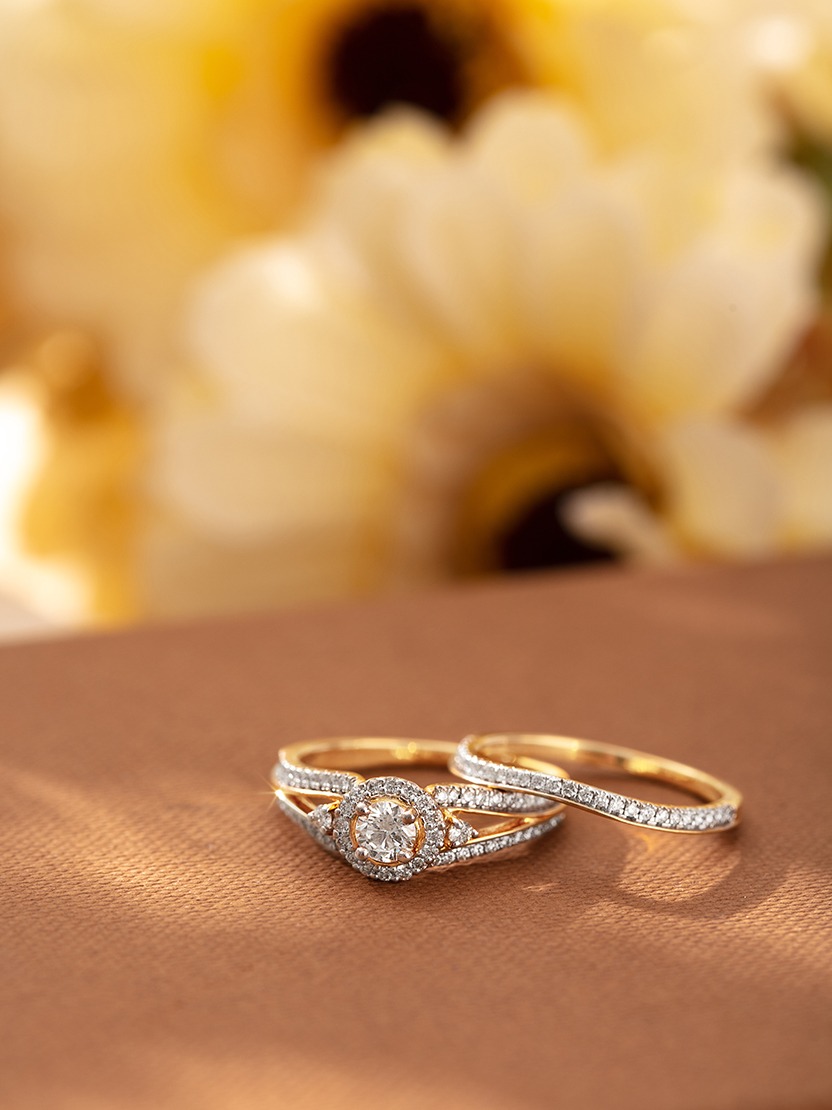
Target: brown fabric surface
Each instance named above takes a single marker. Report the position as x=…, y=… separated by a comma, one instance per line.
x=169, y=940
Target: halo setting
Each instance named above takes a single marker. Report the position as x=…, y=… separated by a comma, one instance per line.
x=389, y=828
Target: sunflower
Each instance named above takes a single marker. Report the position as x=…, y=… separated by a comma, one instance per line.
x=507, y=349
x=138, y=140
x=337, y=62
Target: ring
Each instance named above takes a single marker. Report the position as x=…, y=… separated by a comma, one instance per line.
x=390, y=828
x=521, y=761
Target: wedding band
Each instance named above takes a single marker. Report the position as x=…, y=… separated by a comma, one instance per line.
x=520, y=761
x=388, y=827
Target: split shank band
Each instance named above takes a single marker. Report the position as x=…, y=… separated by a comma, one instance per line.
x=510, y=790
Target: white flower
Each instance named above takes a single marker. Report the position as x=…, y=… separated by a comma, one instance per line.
x=464, y=326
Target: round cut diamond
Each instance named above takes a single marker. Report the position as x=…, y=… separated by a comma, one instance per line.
x=387, y=831
x=322, y=818
x=460, y=832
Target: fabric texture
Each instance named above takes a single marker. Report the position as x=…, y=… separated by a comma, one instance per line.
x=171, y=941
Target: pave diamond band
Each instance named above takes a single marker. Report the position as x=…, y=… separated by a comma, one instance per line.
x=521, y=761
x=311, y=780
x=390, y=828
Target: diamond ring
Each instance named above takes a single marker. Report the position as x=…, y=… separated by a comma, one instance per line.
x=520, y=761
x=390, y=828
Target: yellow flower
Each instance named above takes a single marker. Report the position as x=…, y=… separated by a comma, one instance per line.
x=468, y=339
x=137, y=140
x=320, y=65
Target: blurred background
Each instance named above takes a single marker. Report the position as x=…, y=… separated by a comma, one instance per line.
x=321, y=299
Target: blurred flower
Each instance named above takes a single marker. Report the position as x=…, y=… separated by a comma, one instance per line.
x=138, y=139
x=468, y=341
x=486, y=320
x=319, y=66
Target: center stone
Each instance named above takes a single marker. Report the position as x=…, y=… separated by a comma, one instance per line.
x=387, y=832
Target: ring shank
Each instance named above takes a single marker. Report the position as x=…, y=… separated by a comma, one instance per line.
x=348, y=753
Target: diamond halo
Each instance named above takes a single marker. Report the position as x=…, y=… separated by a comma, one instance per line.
x=389, y=829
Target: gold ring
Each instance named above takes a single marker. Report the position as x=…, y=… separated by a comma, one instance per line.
x=388, y=827
x=520, y=761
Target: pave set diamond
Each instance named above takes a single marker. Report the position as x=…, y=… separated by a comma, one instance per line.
x=310, y=780
x=701, y=818
x=498, y=842
x=488, y=799
x=485, y=799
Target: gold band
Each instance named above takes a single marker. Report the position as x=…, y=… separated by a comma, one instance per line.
x=522, y=761
x=388, y=827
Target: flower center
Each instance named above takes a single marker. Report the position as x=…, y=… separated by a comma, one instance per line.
x=396, y=55
x=490, y=473
x=538, y=535
x=441, y=58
